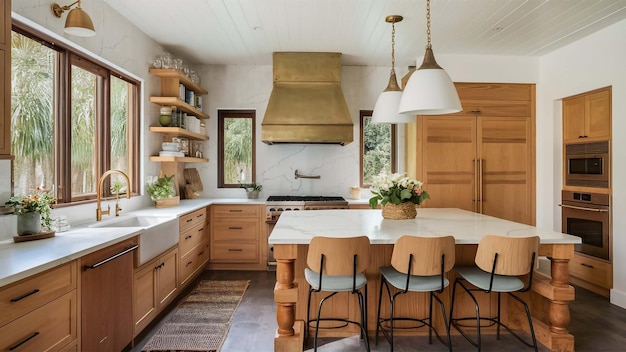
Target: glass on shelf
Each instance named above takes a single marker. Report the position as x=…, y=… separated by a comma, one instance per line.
x=185, y=69
x=167, y=60
x=178, y=64
x=157, y=62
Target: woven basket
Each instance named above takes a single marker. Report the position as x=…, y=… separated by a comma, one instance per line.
x=401, y=211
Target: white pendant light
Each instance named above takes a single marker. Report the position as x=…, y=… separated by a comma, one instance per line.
x=386, y=108
x=430, y=90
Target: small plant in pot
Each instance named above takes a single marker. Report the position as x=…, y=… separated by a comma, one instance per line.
x=162, y=190
x=252, y=190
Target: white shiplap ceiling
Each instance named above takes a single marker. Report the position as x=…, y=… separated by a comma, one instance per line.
x=248, y=31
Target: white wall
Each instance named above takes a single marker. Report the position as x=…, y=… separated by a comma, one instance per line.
x=593, y=62
x=249, y=87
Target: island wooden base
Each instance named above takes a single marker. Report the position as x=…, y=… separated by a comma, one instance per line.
x=548, y=300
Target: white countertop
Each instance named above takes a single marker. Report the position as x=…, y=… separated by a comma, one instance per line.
x=24, y=259
x=298, y=227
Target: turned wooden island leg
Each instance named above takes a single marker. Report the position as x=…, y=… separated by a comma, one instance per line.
x=557, y=293
x=289, y=335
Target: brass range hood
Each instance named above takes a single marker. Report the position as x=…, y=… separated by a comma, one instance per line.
x=307, y=104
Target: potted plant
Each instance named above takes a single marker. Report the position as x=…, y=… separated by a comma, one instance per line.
x=162, y=190
x=33, y=211
x=398, y=195
x=252, y=190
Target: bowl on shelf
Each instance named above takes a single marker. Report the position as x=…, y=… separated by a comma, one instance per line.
x=170, y=147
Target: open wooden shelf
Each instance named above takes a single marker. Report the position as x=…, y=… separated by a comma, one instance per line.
x=174, y=101
x=179, y=132
x=177, y=159
x=172, y=73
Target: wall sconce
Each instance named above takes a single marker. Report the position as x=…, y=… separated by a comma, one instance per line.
x=78, y=21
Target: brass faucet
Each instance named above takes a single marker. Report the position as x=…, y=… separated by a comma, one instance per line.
x=99, y=211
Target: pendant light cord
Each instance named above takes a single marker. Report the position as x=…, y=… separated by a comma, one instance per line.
x=428, y=45
x=393, y=48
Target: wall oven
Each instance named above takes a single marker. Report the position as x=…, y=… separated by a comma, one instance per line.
x=588, y=216
x=587, y=164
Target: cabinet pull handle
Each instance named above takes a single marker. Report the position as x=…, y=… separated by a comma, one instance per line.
x=235, y=228
x=127, y=250
x=189, y=220
x=13, y=300
x=235, y=210
x=235, y=250
x=587, y=265
x=189, y=263
x=11, y=348
x=200, y=215
x=201, y=253
x=201, y=229
x=188, y=237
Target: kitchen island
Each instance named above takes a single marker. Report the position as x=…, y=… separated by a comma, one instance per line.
x=548, y=299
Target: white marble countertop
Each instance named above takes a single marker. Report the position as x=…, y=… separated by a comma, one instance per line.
x=24, y=259
x=298, y=227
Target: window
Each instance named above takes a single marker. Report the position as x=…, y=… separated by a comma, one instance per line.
x=378, y=148
x=72, y=119
x=236, y=143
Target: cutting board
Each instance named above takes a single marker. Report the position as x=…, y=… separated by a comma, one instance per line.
x=193, y=183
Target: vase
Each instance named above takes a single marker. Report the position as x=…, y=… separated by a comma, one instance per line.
x=29, y=224
x=400, y=211
x=252, y=194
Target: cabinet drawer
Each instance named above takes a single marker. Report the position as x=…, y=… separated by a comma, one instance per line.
x=242, y=229
x=192, y=261
x=192, y=219
x=234, y=252
x=26, y=295
x=236, y=210
x=191, y=238
x=48, y=328
x=592, y=270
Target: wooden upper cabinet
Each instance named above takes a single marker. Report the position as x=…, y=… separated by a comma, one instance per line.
x=587, y=116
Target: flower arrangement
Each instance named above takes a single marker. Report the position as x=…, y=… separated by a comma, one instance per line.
x=396, y=188
x=39, y=202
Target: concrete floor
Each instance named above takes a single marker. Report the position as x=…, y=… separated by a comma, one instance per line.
x=597, y=325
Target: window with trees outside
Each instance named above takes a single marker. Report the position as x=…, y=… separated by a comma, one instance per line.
x=378, y=148
x=72, y=119
x=236, y=144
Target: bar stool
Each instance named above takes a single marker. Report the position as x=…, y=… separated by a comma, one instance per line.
x=418, y=264
x=338, y=265
x=499, y=261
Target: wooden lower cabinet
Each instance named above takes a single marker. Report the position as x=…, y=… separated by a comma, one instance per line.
x=594, y=274
x=155, y=286
x=238, y=237
x=193, y=263
x=106, y=297
x=40, y=313
x=193, y=245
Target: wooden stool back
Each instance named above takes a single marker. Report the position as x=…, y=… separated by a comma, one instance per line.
x=427, y=252
x=514, y=254
x=338, y=254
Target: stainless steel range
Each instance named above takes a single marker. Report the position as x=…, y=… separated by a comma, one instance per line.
x=275, y=205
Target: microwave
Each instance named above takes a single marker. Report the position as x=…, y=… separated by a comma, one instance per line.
x=587, y=164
